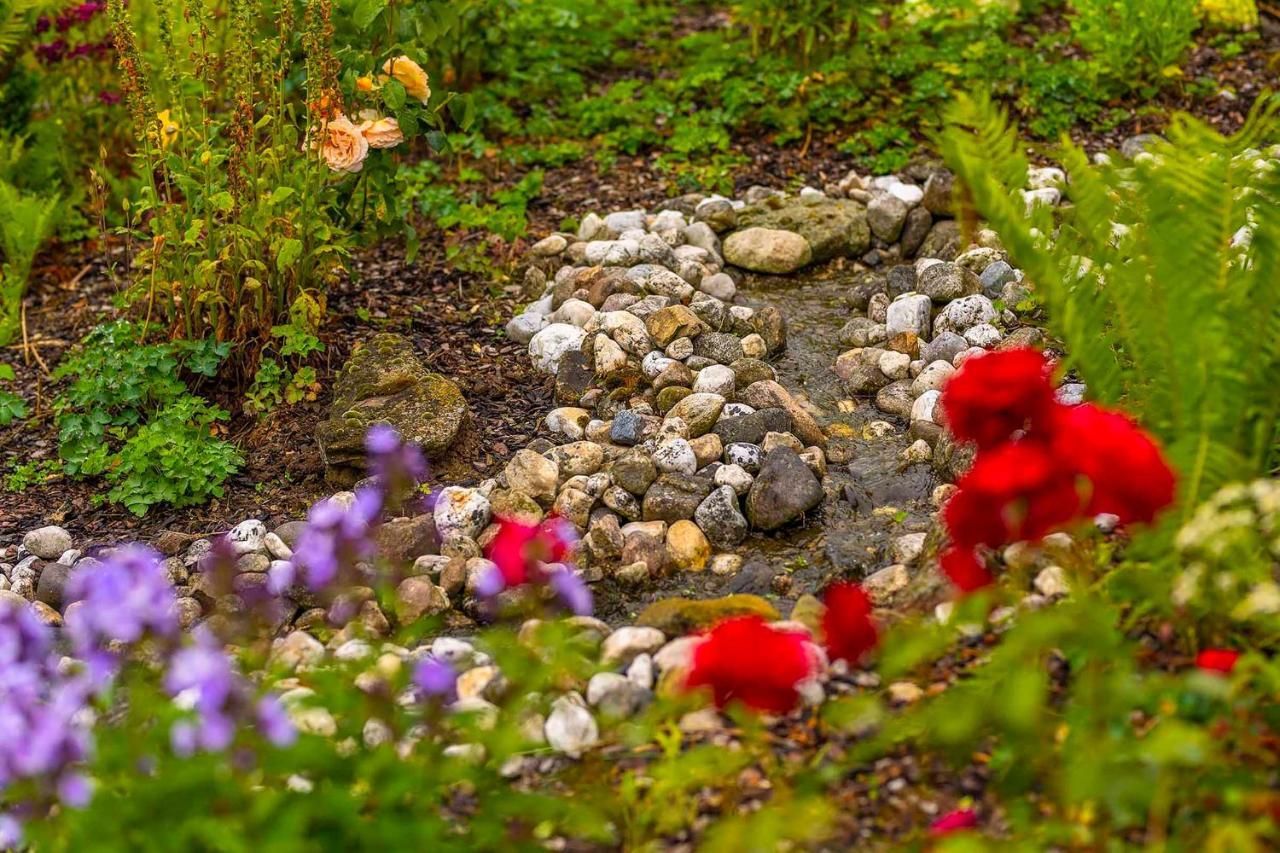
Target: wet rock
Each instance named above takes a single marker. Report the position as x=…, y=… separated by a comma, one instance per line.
x=383, y=381
x=784, y=491
x=895, y=399
x=574, y=377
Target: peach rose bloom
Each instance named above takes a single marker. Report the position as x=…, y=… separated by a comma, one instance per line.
x=380, y=132
x=343, y=147
x=410, y=75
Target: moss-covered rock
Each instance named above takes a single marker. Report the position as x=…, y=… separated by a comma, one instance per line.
x=384, y=382
x=834, y=227
x=677, y=616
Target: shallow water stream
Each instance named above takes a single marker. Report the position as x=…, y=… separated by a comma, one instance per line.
x=872, y=498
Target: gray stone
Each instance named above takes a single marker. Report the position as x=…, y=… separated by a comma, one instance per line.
x=963, y=314
x=946, y=281
x=47, y=543
x=783, y=491
x=944, y=347
x=909, y=313
x=720, y=519
x=887, y=214
x=673, y=497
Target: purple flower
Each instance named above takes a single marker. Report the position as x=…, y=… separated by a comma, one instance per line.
x=108, y=97
x=336, y=538
x=51, y=52
x=435, y=679
x=202, y=678
x=397, y=465
x=43, y=720
x=572, y=591
x=10, y=832
x=42, y=24
x=274, y=722
x=122, y=600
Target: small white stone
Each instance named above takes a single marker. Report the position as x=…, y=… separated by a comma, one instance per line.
x=641, y=671
x=248, y=536
x=276, y=547
x=676, y=456
x=625, y=643
x=754, y=346
x=907, y=548
x=548, y=346
x=925, y=406
x=1051, y=582
x=909, y=193
x=715, y=379
x=894, y=364
x=461, y=512
x=983, y=335
x=734, y=476
x=570, y=728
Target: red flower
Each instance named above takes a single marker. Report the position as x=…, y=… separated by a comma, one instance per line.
x=847, y=625
x=1218, y=660
x=955, y=821
x=964, y=569
x=1128, y=474
x=1017, y=491
x=745, y=659
x=518, y=548
x=992, y=396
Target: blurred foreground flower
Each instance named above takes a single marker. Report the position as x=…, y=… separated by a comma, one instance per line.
x=522, y=554
x=1218, y=660
x=847, y=625
x=745, y=659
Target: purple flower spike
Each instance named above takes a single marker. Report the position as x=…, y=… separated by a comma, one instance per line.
x=490, y=582
x=125, y=598
x=336, y=538
x=398, y=466
x=572, y=591
x=435, y=679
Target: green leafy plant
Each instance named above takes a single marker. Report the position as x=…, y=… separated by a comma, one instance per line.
x=12, y=407
x=174, y=458
x=1148, y=37
x=128, y=414
x=26, y=221
x=1172, y=315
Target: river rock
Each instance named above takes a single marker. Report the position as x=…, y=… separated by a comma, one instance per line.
x=833, y=227
x=719, y=516
x=687, y=547
x=461, y=512
x=673, y=497
x=887, y=214
x=767, y=250
x=783, y=491
x=533, y=474
x=570, y=728
x=47, y=543
x=963, y=314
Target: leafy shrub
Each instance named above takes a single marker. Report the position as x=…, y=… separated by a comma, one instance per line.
x=12, y=407
x=1146, y=36
x=173, y=459
x=128, y=415
x=1163, y=281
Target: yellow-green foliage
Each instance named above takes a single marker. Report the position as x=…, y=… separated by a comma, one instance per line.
x=1230, y=14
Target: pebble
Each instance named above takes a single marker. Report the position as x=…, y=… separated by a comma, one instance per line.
x=47, y=543
x=248, y=536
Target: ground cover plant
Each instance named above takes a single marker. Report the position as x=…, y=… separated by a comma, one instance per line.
x=634, y=425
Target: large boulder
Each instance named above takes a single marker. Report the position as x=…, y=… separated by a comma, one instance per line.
x=835, y=228
x=767, y=250
x=384, y=382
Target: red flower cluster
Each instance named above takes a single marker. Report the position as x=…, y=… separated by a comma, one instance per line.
x=956, y=821
x=1041, y=465
x=1220, y=661
x=519, y=548
x=747, y=660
